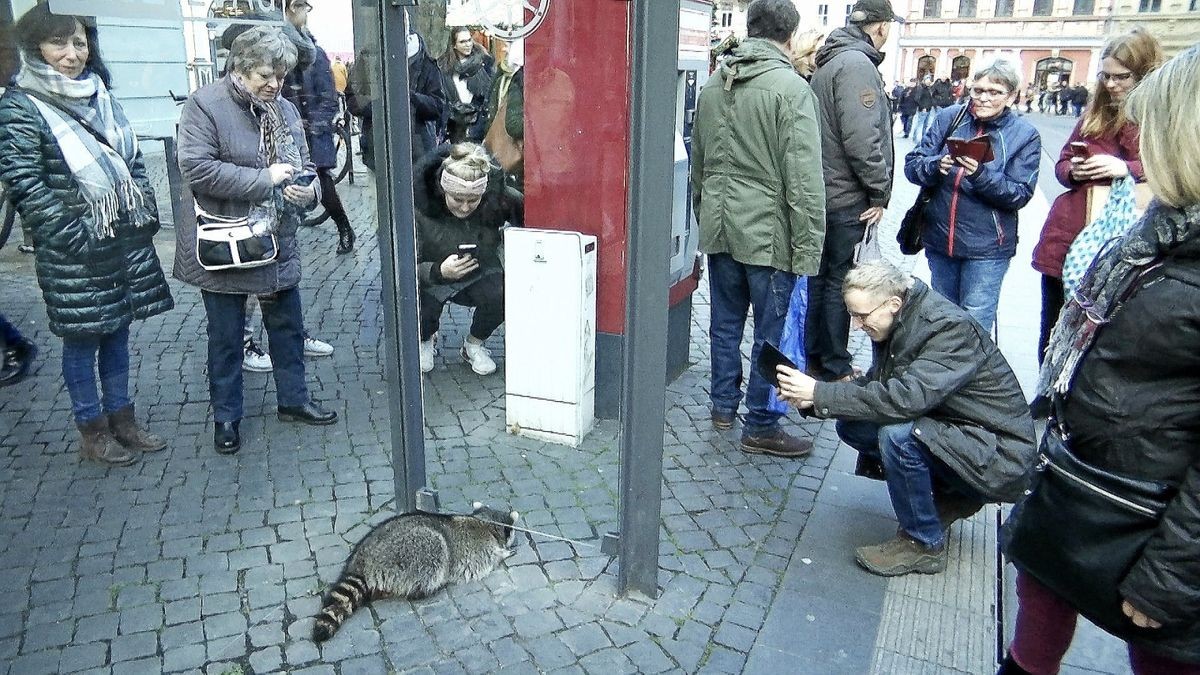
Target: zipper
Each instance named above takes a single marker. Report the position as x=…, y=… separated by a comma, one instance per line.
x=999, y=230
x=954, y=211
x=1117, y=499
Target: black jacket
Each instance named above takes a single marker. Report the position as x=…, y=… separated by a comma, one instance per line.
x=1134, y=409
x=943, y=94
x=941, y=370
x=924, y=96
x=91, y=287
x=439, y=232
x=908, y=100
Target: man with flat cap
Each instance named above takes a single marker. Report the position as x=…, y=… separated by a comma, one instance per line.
x=856, y=151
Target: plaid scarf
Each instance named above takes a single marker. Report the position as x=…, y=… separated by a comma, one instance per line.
x=275, y=145
x=1117, y=270
x=101, y=170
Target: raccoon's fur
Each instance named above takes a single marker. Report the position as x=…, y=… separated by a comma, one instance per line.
x=414, y=555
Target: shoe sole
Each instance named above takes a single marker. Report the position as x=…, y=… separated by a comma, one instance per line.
x=306, y=420
x=248, y=369
x=104, y=462
x=933, y=568
x=473, y=369
x=722, y=426
x=317, y=354
x=229, y=450
x=755, y=450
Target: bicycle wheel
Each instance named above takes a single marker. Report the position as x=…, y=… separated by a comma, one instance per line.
x=341, y=143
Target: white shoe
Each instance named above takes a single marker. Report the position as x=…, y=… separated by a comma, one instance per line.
x=254, y=360
x=428, y=351
x=314, y=347
x=479, y=357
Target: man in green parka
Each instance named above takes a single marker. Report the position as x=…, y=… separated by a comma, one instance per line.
x=759, y=195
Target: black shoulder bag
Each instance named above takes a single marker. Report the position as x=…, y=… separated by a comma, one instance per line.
x=913, y=224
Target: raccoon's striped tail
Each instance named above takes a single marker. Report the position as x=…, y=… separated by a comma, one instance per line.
x=347, y=595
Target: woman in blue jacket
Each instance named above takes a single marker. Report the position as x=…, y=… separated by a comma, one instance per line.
x=970, y=231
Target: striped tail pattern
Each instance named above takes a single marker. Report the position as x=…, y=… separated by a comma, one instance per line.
x=347, y=595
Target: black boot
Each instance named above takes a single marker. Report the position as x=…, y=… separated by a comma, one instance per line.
x=1009, y=667
x=345, y=240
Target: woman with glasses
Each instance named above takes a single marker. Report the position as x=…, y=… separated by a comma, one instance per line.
x=970, y=230
x=1111, y=139
x=1126, y=375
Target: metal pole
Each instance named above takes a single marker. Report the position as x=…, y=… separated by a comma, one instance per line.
x=397, y=256
x=655, y=41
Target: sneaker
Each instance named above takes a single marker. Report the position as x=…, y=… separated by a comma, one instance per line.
x=428, y=351
x=479, y=357
x=254, y=360
x=900, y=556
x=722, y=420
x=778, y=443
x=314, y=347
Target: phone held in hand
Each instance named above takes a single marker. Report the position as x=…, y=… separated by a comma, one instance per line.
x=769, y=357
x=1080, y=149
x=304, y=179
x=978, y=149
x=467, y=250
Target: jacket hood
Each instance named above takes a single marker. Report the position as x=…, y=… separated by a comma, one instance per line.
x=850, y=38
x=306, y=49
x=753, y=57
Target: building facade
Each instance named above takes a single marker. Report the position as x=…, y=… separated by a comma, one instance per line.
x=1053, y=40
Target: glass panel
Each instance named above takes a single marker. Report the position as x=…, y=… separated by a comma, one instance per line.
x=1043, y=7
x=966, y=8
x=933, y=9
x=1084, y=7
x=1004, y=7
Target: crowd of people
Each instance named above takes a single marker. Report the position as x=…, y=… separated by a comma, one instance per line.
x=940, y=416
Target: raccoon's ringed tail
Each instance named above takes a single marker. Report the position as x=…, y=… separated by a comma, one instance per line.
x=347, y=595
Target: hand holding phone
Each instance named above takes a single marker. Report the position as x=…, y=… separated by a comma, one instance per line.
x=467, y=250
x=1080, y=150
x=305, y=179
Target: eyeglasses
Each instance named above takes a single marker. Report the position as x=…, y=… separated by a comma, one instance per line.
x=977, y=92
x=1119, y=78
x=862, y=317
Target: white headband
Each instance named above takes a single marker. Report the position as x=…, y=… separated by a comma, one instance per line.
x=459, y=186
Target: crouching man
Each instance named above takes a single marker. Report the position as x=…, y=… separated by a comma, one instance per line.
x=940, y=410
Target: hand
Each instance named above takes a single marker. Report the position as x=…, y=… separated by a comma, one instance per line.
x=795, y=387
x=300, y=195
x=945, y=164
x=281, y=172
x=1100, y=167
x=458, y=266
x=1140, y=620
x=971, y=165
x=871, y=216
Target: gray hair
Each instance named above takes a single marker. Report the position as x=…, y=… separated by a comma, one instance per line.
x=262, y=46
x=878, y=277
x=1000, y=71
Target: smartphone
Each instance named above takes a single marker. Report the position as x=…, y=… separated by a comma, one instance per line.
x=467, y=250
x=304, y=179
x=769, y=356
x=1080, y=149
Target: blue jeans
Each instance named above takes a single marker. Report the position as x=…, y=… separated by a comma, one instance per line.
x=973, y=284
x=733, y=289
x=80, y=358
x=912, y=474
x=285, y=340
x=921, y=125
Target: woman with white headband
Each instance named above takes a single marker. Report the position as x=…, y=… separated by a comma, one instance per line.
x=461, y=205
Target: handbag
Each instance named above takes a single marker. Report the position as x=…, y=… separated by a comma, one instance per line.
x=1080, y=529
x=503, y=147
x=1098, y=196
x=1119, y=214
x=868, y=249
x=912, y=226
x=224, y=243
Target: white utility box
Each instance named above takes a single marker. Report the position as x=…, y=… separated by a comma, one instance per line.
x=550, y=334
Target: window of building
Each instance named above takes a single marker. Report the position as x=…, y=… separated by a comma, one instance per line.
x=1043, y=7
x=1150, y=5
x=1195, y=6
x=1004, y=7
x=966, y=9
x=726, y=19
x=1084, y=7
x=823, y=14
x=933, y=9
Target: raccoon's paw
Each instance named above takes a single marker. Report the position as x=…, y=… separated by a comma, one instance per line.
x=323, y=629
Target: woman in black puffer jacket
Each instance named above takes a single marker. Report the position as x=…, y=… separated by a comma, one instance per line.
x=467, y=71
x=75, y=174
x=1123, y=363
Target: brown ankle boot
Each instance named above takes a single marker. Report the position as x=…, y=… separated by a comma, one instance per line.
x=124, y=427
x=97, y=444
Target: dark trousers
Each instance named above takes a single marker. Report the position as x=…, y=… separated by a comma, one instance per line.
x=1052, y=303
x=284, y=321
x=827, y=332
x=1046, y=626
x=486, y=296
x=82, y=358
x=9, y=335
x=332, y=202
x=906, y=122
x=734, y=288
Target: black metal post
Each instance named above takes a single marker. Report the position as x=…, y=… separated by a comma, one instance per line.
x=655, y=42
x=397, y=254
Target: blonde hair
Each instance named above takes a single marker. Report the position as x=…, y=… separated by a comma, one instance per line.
x=468, y=161
x=1138, y=51
x=878, y=277
x=804, y=54
x=1164, y=107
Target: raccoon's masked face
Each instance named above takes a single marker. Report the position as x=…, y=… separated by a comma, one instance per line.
x=503, y=519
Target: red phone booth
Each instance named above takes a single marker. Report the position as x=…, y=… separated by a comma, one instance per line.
x=577, y=143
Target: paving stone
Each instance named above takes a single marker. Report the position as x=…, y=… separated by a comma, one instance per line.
x=184, y=658
x=140, y=619
x=139, y=667
x=129, y=647
x=270, y=660
x=585, y=639
x=48, y=636
x=81, y=657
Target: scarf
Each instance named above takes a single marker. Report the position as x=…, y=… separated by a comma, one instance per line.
x=100, y=169
x=275, y=145
x=1117, y=270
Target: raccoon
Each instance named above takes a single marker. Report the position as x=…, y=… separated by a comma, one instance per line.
x=413, y=556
